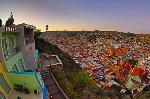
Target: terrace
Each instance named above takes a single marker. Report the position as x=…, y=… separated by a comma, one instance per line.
x=15, y=94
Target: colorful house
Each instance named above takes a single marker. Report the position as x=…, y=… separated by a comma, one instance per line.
x=7, y=81
x=11, y=55
x=134, y=79
x=26, y=42
x=17, y=56
x=5, y=84
x=117, y=51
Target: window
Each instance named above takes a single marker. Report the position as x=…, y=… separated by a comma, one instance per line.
x=15, y=69
x=4, y=44
x=21, y=65
x=11, y=42
x=4, y=84
x=2, y=96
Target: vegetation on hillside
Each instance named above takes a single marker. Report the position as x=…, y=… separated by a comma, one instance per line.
x=71, y=78
x=75, y=82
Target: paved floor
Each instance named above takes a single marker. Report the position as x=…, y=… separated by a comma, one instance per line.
x=14, y=94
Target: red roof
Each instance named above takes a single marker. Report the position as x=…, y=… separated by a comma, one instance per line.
x=137, y=71
x=127, y=66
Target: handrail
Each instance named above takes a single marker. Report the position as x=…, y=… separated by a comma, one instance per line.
x=62, y=91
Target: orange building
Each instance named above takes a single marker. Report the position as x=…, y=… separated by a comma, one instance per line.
x=117, y=51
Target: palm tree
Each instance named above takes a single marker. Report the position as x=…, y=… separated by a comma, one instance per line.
x=46, y=27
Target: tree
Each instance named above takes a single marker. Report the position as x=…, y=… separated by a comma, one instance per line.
x=100, y=92
x=68, y=88
x=46, y=27
x=115, y=88
x=133, y=62
x=37, y=33
x=0, y=23
x=146, y=88
x=59, y=74
x=128, y=92
x=93, y=87
x=109, y=93
x=81, y=79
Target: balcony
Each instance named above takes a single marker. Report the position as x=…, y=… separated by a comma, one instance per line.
x=11, y=52
x=29, y=41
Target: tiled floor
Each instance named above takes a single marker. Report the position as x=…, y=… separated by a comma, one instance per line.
x=14, y=94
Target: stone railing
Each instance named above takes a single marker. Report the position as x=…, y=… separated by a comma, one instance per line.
x=29, y=26
x=10, y=29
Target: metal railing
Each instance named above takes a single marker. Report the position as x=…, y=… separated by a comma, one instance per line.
x=11, y=52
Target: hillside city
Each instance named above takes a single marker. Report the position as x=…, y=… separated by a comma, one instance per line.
x=72, y=64
x=108, y=57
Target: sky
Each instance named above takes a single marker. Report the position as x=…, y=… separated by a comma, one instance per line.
x=105, y=15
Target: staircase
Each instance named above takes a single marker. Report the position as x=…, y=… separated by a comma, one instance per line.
x=54, y=90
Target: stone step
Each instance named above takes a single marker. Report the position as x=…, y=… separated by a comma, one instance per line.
x=45, y=74
x=45, y=71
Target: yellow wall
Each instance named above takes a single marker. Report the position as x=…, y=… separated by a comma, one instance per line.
x=6, y=78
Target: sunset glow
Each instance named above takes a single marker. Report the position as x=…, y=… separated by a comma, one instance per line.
x=120, y=15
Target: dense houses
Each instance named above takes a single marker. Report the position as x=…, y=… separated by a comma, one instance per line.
x=109, y=57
